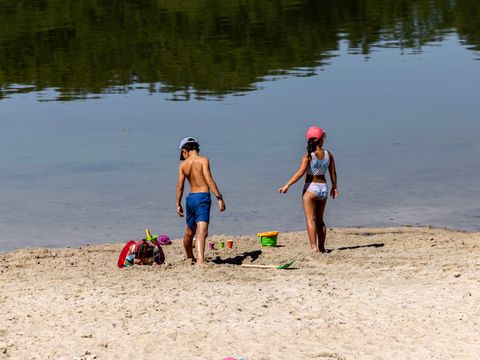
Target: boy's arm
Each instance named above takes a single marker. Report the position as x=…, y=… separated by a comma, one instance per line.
x=207, y=174
x=180, y=186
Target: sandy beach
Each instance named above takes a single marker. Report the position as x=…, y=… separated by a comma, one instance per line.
x=381, y=293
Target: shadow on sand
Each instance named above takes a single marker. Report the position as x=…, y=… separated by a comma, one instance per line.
x=377, y=245
x=239, y=259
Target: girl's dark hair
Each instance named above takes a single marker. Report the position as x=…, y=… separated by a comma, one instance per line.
x=312, y=146
x=189, y=147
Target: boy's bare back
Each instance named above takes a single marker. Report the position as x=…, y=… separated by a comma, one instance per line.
x=197, y=171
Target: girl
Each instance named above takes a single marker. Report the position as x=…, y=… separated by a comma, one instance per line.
x=315, y=191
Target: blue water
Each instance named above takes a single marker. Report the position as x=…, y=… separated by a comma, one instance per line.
x=403, y=128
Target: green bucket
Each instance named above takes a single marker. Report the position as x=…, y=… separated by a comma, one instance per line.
x=268, y=240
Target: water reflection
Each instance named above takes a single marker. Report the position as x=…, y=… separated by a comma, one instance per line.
x=204, y=49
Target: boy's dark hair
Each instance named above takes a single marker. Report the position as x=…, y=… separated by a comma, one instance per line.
x=189, y=147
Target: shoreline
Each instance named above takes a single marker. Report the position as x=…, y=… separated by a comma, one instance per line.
x=87, y=244
x=389, y=292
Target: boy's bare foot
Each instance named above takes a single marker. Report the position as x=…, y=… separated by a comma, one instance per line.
x=202, y=264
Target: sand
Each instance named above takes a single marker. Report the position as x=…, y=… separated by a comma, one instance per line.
x=383, y=293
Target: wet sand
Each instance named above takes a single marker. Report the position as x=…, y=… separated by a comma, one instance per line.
x=381, y=293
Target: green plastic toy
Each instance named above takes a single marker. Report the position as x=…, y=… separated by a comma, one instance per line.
x=268, y=238
x=281, y=267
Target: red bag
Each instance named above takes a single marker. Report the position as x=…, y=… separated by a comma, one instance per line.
x=143, y=252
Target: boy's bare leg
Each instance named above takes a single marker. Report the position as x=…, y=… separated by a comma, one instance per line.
x=202, y=233
x=188, y=242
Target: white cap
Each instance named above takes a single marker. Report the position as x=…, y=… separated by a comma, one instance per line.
x=187, y=140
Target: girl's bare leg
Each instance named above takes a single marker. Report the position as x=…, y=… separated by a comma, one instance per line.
x=309, y=207
x=188, y=242
x=321, y=228
x=202, y=233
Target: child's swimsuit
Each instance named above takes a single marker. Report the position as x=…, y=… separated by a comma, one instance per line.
x=318, y=167
x=320, y=190
x=198, y=208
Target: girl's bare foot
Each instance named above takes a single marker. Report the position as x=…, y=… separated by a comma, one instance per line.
x=191, y=260
x=202, y=264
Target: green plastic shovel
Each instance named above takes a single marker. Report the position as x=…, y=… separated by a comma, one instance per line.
x=282, y=267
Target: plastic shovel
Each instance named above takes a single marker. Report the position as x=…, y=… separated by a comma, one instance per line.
x=282, y=267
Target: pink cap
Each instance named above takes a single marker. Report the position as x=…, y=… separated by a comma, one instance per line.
x=315, y=132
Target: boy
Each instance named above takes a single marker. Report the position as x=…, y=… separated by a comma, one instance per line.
x=196, y=169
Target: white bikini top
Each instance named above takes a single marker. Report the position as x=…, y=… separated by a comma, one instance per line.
x=318, y=167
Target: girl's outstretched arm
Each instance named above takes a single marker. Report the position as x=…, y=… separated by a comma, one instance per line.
x=333, y=177
x=300, y=172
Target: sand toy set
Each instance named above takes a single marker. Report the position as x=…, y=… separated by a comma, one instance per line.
x=221, y=245
x=269, y=239
x=147, y=251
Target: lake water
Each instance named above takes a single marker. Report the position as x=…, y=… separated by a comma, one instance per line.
x=94, y=98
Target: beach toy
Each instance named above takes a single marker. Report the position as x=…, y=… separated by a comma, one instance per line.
x=164, y=240
x=124, y=253
x=221, y=244
x=161, y=239
x=211, y=245
x=146, y=251
x=230, y=244
x=149, y=237
x=129, y=261
x=268, y=238
x=281, y=267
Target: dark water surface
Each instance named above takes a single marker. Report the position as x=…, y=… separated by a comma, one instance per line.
x=95, y=95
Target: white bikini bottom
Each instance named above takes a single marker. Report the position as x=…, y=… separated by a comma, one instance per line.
x=320, y=190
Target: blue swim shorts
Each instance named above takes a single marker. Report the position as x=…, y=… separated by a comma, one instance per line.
x=198, y=208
